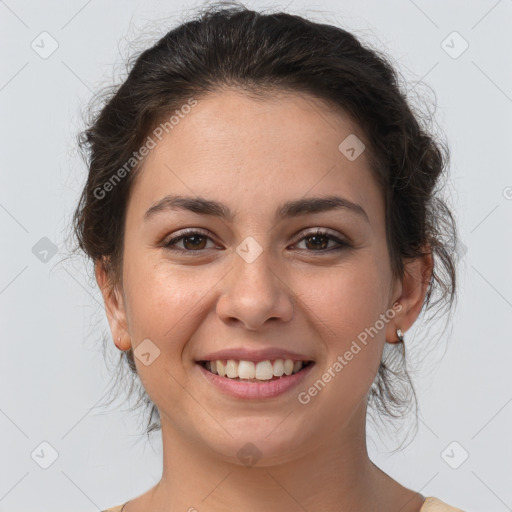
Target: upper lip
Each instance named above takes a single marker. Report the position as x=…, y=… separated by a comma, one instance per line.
x=246, y=354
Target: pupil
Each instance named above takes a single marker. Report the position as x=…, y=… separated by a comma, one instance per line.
x=196, y=237
x=316, y=237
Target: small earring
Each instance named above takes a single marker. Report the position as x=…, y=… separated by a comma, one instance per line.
x=400, y=335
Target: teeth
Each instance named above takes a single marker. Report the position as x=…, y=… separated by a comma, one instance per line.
x=232, y=369
x=278, y=367
x=261, y=370
x=264, y=370
x=246, y=370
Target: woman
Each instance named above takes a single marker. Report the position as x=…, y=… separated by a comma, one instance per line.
x=262, y=213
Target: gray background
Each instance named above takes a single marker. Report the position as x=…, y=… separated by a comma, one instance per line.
x=52, y=368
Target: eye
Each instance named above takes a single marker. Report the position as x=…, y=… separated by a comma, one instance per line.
x=320, y=239
x=193, y=240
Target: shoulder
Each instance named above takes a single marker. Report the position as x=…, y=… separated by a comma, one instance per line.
x=114, y=509
x=432, y=504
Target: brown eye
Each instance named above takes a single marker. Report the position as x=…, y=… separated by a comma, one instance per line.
x=318, y=241
x=193, y=241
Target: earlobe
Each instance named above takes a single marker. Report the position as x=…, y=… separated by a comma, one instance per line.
x=114, y=306
x=121, y=345
x=394, y=333
x=414, y=287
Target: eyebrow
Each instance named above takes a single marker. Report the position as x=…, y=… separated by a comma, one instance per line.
x=289, y=209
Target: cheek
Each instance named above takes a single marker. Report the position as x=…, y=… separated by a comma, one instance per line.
x=348, y=297
x=171, y=304
x=166, y=306
x=345, y=305
x=164, y=301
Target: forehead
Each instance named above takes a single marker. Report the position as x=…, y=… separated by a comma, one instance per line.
x=249, y=152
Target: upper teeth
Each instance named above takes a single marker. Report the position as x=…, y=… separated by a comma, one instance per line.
x=261, y=370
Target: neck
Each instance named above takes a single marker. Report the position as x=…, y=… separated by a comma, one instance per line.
x=333, y=473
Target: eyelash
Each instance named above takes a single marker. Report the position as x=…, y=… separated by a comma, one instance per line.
x=318, y=232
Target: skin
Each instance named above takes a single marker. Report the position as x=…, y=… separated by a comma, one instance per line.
x=253, y=155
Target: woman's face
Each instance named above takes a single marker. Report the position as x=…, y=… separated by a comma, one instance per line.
x=258, y=280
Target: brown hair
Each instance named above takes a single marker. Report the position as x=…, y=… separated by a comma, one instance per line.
x=232, y=46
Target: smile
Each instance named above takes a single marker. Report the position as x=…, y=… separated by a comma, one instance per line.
x=254, y=380
x=252, y=371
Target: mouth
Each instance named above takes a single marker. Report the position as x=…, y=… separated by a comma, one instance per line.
x=255, y=371
x=255, y=380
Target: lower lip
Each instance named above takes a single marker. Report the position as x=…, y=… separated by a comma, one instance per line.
x=255, y=390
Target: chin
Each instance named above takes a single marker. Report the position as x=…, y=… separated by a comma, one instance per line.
x=258, y=441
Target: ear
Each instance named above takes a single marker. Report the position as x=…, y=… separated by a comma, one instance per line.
x=410, y=294
x=114, y=306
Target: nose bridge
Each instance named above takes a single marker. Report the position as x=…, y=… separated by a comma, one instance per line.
x=254, y=291
x=253, y=265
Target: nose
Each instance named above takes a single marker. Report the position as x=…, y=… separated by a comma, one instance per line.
x=254, y=293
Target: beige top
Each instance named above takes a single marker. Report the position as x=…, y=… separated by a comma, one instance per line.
x=431, y=504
